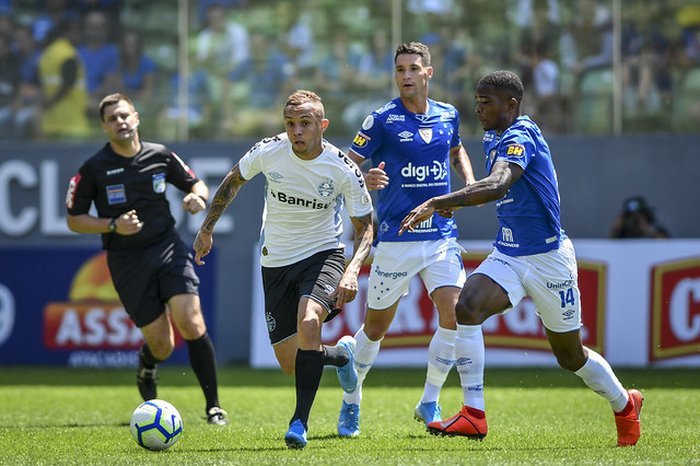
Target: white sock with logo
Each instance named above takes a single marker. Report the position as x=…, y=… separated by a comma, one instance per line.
x=366, y=352
x=469, y=353
x=441, y=358
x=600, y=378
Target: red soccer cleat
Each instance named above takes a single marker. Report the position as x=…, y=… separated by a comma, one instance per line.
x=469, y=422
x=627, y=420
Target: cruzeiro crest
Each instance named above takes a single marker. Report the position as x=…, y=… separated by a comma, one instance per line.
x=326, y=188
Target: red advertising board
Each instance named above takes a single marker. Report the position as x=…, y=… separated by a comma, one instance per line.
x=675, y=309
x=519, y=328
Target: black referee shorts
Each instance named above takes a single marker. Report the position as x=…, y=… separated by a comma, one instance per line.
x=316, y=277
x=147, y=278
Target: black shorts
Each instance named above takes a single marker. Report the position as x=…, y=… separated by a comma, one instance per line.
x=316, y=277
x=147, y=278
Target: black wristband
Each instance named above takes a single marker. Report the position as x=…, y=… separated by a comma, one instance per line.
x=112, y=227
x=203, y=198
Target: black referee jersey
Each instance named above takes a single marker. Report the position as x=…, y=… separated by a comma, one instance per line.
x=118, y=184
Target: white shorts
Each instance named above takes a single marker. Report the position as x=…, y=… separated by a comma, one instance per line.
x=438, y=262
x=550, y=279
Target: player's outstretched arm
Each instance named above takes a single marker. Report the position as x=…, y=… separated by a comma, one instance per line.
x=227, y=191
x=364, y=234
x=493, y=187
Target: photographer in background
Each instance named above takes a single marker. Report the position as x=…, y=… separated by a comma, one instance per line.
x=637, y=220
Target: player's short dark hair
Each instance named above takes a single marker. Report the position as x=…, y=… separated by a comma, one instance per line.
x=506, y=81
x=113, y=99
x=414, y=48
x=301, y=97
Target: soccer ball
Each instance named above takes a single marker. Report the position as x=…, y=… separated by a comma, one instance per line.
x=156, y=425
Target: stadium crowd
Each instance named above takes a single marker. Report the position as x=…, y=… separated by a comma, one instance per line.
x=59, y=57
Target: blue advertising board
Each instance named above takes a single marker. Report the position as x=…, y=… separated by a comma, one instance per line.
x=58, y=307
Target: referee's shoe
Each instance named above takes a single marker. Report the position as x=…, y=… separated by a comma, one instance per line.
x=147, y=381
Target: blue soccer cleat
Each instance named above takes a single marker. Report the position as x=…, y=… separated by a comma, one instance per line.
x=428, y=412
x=349, y=420
x=347, y=374
x=295, y=438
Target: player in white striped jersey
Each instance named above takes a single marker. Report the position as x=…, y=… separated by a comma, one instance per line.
x=308, y=181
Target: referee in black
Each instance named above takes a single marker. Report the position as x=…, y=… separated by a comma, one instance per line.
x=151, y=266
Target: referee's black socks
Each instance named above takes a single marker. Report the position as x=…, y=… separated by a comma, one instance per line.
x=203, y=362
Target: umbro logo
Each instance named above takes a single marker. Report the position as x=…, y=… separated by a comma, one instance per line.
x=405, y=136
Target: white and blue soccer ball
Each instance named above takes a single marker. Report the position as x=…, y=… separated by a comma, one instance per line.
x=156, y=425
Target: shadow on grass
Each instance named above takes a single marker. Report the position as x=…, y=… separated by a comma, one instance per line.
x=232, y=376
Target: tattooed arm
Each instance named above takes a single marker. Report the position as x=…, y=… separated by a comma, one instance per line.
x=347, y=288
x=227, y=191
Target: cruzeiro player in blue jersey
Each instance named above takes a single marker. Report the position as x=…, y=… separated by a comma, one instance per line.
x=532, y=256
x=411, y=143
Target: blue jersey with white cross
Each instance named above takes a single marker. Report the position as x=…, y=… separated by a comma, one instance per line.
x=528, y=215
x=416, y=151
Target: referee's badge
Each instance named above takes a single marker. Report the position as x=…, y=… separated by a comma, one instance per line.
x=159, y=183
x=426, y=134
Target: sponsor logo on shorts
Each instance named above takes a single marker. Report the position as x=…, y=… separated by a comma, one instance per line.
x=271, y=322
x=560, y=285
x=392, y=275
x=568, y=314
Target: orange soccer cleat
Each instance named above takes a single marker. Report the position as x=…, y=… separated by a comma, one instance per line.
x=627, y=420
x=468, y=422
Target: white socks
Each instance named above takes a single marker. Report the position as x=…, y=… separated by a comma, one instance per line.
x=441, y=358
x=469, y=352
x=366, y=352
x=600, y=378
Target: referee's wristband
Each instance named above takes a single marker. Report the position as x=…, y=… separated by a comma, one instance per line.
x=203, y=199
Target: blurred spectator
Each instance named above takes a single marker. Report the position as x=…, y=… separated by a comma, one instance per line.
x=637, y=220
x=336, y=71
x=138, y=71
x=26, y=111
x=101, y=57
x=646, y=77
x=62, y=77
x=9, y=87
x=52, y=12
x=222, y=44
x=545, y=83
x=264, y=81
x=301, y=44
x=198, y=113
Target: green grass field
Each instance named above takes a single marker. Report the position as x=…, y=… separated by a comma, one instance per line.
x=536, y=416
